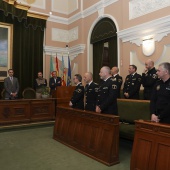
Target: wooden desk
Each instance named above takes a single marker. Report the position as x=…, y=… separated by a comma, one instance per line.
x=151, y=147
x=95, y=135
x=26, y=110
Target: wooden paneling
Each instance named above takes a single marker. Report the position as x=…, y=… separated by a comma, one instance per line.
x=151, y=148
x=63, y=94
x=93, y=134
x=26, y=110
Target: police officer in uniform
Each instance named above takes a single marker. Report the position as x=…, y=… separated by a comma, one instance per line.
x=149, y=78
x=91, y=90
x=107, y=93
x=118, y=78
x=77, y=100
x=132, y=84
x=160, y=98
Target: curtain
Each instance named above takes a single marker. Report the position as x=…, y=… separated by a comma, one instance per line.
x=28, y=35
x=112, y=51
x=97, y=60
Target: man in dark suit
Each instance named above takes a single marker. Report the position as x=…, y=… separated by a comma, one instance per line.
x=107, y=93
x=54, y=81
x=118, y=78
x=11, y=86
x=91, y=90
x=77, y=100
x=132, y=83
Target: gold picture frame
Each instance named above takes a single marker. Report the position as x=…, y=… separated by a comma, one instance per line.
x=6, y=46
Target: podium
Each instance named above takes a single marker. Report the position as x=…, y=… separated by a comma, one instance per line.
x=151, y=147
x=63, y=94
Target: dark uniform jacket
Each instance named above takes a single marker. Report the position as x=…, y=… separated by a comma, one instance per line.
x=107, y=96
x=91, y=96
x=160, y=101
x=148, y=81
x=119, y=81
x=132, y=86
x=78, y=97
x=53, y=84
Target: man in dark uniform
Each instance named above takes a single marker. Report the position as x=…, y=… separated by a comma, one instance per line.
x=160, y=98
x=54, y=81
x=118, y=78
x=77, y=100
x=107, y=93
x=149, y=78
x=132, y=84
x=91, y=90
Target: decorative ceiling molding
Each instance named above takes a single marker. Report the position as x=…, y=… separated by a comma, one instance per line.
x=156, y=29
x=26, y=7
x=139, y=8
x=41, y=4
x=92, y=9
x=17, y=5
x=37, y=15
x=71, y=51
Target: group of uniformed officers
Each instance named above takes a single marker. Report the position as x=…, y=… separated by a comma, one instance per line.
x=102, y=98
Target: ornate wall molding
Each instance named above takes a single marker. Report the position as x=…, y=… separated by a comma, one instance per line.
x=64, y=35
x=38, y=3
x=72, y=51
x=139, y=8
x=156, y=29
x=85, y=13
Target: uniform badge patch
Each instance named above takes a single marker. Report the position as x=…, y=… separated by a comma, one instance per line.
x=114, y=86
x=158, y=87
x=154, y=76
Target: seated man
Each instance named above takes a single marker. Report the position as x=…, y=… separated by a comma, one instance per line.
x=77, y=100
x=54, y=81
x=11, y=86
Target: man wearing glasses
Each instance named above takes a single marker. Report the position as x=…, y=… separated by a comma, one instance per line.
x=11, y=86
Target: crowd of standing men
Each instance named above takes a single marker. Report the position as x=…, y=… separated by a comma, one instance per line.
x=102, y=98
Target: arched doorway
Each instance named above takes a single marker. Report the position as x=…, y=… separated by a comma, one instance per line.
x=104, y=40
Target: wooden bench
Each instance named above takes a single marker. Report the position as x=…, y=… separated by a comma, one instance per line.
x=129, y=111
x=95, y=135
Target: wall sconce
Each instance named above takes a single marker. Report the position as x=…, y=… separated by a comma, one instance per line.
x=148, y=47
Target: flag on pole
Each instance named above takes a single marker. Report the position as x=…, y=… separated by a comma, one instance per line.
x=69, y=73
x=57, y=69
x=63, y=69
x=51, y=65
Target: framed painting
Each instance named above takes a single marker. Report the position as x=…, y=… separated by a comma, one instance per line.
x=6, y=41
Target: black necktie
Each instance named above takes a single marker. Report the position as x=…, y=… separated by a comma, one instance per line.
x=87, y=86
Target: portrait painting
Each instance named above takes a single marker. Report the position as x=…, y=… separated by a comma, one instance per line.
x=6, y=40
